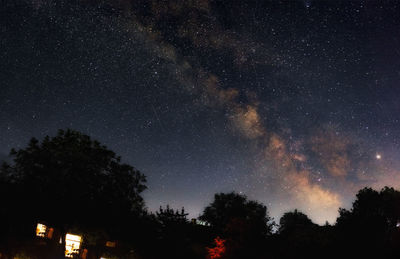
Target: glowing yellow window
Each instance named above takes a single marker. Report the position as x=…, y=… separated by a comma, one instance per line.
x=41, y=230
x=72, y=244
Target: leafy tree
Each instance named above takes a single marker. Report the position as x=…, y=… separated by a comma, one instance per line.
x=380, y=210
x=370, y=227
x=229, y=207
x=300, y=237
x=168, y=216
x=291, y=221
x=70, y=181
x=244, y=224
x=174, y=232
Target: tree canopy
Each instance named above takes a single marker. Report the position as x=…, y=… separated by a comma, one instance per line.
x=372, y=206
x=169, y=216
x=229, y=207
x=243, y=223
x=70, y=180
x=371, y=226
x=294, y=220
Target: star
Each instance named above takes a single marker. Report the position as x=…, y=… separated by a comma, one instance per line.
x=258, y=100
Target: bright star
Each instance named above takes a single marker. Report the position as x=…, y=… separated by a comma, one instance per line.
x=378, y=156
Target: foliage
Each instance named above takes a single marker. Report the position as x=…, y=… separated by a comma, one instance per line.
x=168, y=216
x=244, y=224
x=71, y=180
x=371, y=225
x=218, y=250
x=291, y=221
x=299, y=237
x=230, y=207
x=174, y=231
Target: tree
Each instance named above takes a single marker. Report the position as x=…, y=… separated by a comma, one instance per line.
x=229, y=207
x=294, y=220
x=168, y=216
x=173, y=231
x=371, y=225
x=300, y=237
x=70, y=181
x=380, y=210
x=244, y=224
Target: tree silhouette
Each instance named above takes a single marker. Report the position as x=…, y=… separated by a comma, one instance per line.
x=370, y=227
x=300, y=237
x=168, y=216
x=244, y=224
x=232, y=206
x=70, y=181
x=174, y=232
x=291, y=221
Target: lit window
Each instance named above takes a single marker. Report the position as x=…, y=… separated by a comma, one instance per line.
x=41, y=230
x=72, y=244
x=110, y=244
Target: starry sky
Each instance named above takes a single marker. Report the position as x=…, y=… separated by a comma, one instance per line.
x=292, y=103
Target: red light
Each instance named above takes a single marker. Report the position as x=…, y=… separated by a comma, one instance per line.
x=218, y=250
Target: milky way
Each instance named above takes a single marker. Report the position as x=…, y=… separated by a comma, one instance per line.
x=293, y=103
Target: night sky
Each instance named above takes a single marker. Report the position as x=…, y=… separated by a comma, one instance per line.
x=294, y=103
